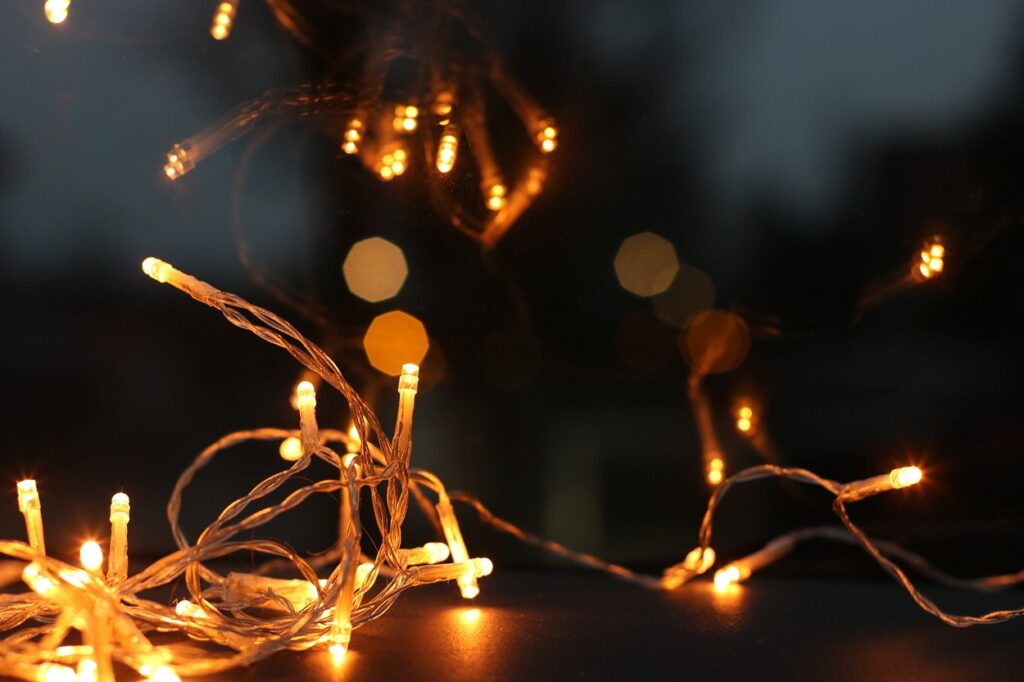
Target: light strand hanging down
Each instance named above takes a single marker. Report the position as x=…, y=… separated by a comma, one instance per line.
x=250, y=616
x=431, y=88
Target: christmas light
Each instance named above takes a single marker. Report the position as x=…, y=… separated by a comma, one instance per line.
x=430, y=553
x=447, y=149
x=117, y=563
x=223, y=19
x=496, y=196
x=406, y=118
x=547, y=136
x=178, y=163
x=353, y=136
x=931, y=260
x=91, y=556
x=291, y=449
x=745, y=420
x=30, y=506
x=56, y=10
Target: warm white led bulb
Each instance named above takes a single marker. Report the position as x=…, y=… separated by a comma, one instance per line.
x=291, y=449
x=905, y=476
x=56, y=10
x=91, y=556
x=54, y=672
x=305, y=395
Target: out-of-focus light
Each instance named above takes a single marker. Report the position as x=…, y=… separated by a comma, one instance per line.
x=91, y=556
x=447, y=150
x=745, y=420
x=646, y=264
x=54, y=672
x=724, y=577
x=352, y=137
x=715, y=476
x=496, y=196
x=690, y=293
x=931, y=260
x=392, y=163
x=406, y=118
x=87, y=670
x=56, y=10
x=223, y=19
x=178, y=162
x=393, y=339
x=905, y=476
x=375, y=269
x=698, y=561
x=164, y=673
x=547, y=136
x=290, y=449
x=716, y=341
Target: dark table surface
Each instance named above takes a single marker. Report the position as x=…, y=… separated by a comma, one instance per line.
x=530, y=626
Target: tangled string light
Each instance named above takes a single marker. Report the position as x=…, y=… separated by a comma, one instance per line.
x=429, y=88
x=249, y=616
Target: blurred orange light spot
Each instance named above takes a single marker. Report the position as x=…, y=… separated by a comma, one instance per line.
x=394, y=339
x=717, y=341
x=646, y=264
x=375, y=269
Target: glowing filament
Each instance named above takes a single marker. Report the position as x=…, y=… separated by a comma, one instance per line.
x=496, y=197
x=91, y=556
x=178, y=162
x=117, y=563
x=223, y=19
x=353, y=136
x=56, y=10
x=406, y=118
x=932, y=260
x=447, y=150
x=30, y=506
x=547, y=137
x=291, y=449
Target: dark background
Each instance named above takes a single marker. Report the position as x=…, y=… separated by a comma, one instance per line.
x=793, y=151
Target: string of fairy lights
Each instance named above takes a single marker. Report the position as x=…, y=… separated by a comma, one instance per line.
x=80, y=622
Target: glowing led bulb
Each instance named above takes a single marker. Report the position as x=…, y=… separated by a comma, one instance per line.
x=186, y=609
x=56, y=10
x=443, y=103
x=547, y=136
x=164, y=673
x=117, y=564
x=430, y=553
x=291, y=449
x=698, y=561
x=932, y=260
x=305, y=395
x=392, y=164
x=338, y=651
x=724, y=577
x=178, y=162
x=223, y=19
x=447, y=150
x=353, y=136
x=745, y=419
x=32, y=509
x=91, y=556
x=39, y=583
x=496, y=196
x=54, y=672
x=406, y=118
x=905, y=476
x=87, y=671
x=716, y=470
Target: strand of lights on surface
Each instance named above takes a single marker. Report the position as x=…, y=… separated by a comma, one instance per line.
x=383, y=125
x=253, y=615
